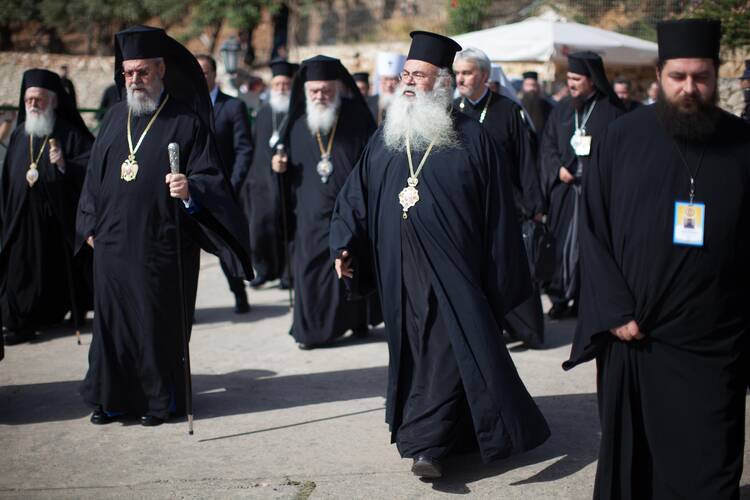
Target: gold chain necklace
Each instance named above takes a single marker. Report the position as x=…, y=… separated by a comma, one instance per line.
x=484, y=111
x=32, y=174
x=409, y=196
x=325, y=167
x=129, y=168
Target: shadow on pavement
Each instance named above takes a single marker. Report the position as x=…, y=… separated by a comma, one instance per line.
x=207, y=315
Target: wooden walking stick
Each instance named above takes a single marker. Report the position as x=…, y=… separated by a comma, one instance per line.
x=282, y=198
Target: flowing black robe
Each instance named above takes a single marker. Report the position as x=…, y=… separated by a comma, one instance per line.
x=38, y=228
x=563, y=199
x=136, y=351
x=262, y=197
x=447, y=275
x=672, y=405
x=321, y=311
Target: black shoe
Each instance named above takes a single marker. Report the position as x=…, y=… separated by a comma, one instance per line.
x=100, y=417
x=558, y=311
x=360, y=332
x=151, y=421
x=258, y=281
x=240, y=303
x=427, y=467
x=18, y=337
x=305, y=347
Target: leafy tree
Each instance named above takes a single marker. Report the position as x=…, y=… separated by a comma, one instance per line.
x=467, y=15
x=734, y=16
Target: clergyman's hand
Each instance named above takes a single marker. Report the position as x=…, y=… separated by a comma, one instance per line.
x=344, y=265
x=566, y=176
x=278, y=163
x=629, y=332
x=90, y=241
x=178, y=186
x=56, y=155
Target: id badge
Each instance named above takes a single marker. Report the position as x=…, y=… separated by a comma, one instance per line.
x=581, y=144
x=689, y=223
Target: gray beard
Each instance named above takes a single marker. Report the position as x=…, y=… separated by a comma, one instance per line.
x=321, y=119
x=40, y=125
x=144, y=103
x=385, y=100
x=279, y=102
x=425, y=117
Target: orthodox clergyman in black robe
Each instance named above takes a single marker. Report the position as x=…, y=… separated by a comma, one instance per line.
x=264, y=192
x=438, y=236
x=505, y=121
x=41, y=182
x=127, y=213
x=580, y=121
x=327, y=132
x=665, y=238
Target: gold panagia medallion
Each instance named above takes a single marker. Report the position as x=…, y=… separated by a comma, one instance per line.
x=32, y=174
x=409, y=196
x=129, y=169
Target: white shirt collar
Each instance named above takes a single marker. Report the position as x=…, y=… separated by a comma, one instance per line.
x=214, y=92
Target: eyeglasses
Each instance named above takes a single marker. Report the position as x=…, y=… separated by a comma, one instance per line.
x=130, y=74
x=418, y=76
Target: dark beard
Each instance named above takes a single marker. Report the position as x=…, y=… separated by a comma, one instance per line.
x=696, y=126
x=580, y=102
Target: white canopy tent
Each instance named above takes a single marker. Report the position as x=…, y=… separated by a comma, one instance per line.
x=546, y=39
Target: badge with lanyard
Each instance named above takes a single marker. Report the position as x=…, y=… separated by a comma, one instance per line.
x=581, y=142
x=689, y=216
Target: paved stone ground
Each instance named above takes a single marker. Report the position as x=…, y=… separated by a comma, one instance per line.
x=272, y=421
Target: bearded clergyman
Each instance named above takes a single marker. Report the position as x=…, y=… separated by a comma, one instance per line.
x=427, y=217
x=127, y=214
x=264, y=192
x=41, y=183
x=665, y=238
x=329, y=125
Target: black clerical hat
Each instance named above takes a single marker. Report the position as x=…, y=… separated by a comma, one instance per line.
x=282, y=67
x=590, y=64
x=183, y=80
x=323, y=68
x=66, y=106
x=362, y=76
x=688, y=38
x=531, y=74
x=746, y=74
x=433, y=48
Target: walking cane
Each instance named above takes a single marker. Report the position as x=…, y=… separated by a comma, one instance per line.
x=174, y=167
x=69, y=273
x=282, y=195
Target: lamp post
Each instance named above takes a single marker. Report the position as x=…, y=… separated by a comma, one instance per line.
x=230, y=52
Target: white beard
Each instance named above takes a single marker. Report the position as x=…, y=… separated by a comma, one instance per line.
x=321, y=118
x=40, y=123
x=385, y=100
x=279, y=102
x=144, y=103
x=425, y=116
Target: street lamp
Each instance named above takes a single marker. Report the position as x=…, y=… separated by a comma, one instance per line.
x=230, y=51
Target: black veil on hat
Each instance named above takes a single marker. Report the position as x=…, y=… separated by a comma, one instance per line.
x=689, y=38
x=435, y=49
x=183, y=80
x=590, y=64
x=362, y=76
x=66, y=106
x=323, y=68
x=282, y=67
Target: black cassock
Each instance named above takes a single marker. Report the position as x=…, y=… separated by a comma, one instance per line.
x=447, y=275
x=321, y=311
x=262, y=199
x=38, y=231
x=135, y=355
x=505, y=122
x=563, y=199
x=673, y=405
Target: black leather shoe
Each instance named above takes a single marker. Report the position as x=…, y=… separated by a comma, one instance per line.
x=360, y=332
x=427, y=467
x=100, y=417
x=304, y=347
x=558, y=311
x=151, y=421
x=258, y=281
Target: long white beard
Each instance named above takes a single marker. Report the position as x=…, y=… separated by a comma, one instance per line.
x=426, y=117
x=279, y=102
x=144, y=103
x=40, y=123
x=321, y=118
x=385, y=100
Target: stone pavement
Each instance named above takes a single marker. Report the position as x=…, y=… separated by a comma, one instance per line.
x=272, y=421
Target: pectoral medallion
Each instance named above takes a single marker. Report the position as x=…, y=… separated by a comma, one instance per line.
x=32, y=174
x=409, y=196
x=129, y=169
x=325, y=168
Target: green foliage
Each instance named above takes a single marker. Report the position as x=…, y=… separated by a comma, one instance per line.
x=19, y=11
x=734, y=16
x=467, y=15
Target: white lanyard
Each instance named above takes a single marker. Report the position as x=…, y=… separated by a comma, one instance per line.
x=586, y=117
